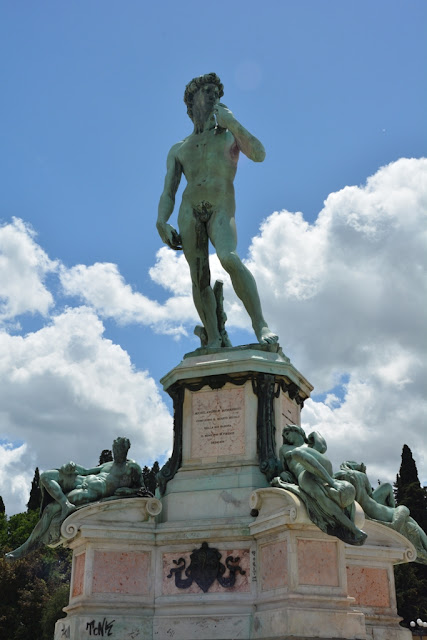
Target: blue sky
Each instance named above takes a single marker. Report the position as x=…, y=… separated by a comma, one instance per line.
x=92, y=102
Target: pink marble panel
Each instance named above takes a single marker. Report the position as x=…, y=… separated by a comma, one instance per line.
x=121, y=572
x=318, y=563
x=289, y=411
x=274, y=565
x=218, y=423
x=368, y=585
x=79, y=573
x=242, y=581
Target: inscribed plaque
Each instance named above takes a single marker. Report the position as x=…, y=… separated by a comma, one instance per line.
x=218, y=423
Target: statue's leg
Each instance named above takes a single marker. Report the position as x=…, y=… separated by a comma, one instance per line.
x=222, y=232
x=50, y=481
x=93, y=491
x=310, y=485
x=35, y=539
x=384, y=495
x=195, y=247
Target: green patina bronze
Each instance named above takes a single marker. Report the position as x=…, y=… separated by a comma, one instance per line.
x=208, y=158
x=72, y=486
x=379, y=505
x=307, y=472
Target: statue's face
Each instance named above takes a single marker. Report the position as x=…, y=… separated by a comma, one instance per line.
x=290, y=436
x=206, y=97
x=120, y=450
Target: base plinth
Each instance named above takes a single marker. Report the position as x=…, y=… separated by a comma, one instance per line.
x=219, y=554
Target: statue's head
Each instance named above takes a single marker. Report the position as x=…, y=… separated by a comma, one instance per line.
x=197, y=83
x=290, y=429
x=121, y=447
x=353, y=466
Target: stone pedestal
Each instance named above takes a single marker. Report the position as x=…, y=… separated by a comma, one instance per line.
x=112, y=579
x=312, y=585
x=230, y=407
x=220, y=555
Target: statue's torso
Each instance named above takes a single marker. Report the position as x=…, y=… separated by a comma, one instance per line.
x=112, y=476
x=209, y=163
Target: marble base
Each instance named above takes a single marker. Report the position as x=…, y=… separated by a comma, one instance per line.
x=293, y=582
x=219, y=554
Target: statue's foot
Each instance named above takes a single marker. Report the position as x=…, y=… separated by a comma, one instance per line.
x=17, y=553
x=214, y=344
x=360, y=537
x=265, y=336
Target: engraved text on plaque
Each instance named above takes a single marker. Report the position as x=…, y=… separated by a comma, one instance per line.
x=218, y=423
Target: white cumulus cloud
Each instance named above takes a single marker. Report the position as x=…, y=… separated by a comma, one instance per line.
x=23, y=268
x=67, y=392
x=346, y=294
x=347, y=297
x=103, y=287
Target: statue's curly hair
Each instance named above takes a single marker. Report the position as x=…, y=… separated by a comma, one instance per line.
x=195, y=84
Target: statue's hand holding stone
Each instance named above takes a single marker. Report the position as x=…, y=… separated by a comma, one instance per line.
x=223, y=115
x=169, y=235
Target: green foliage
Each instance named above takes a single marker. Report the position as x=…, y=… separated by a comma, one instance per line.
x=411, y=579
x=19, y=528
x=3, y=530
x=32, y=592
x=408, y=489
x=2, y=507
x=31, y=589
x=411, y=591
x=106, y=456
x=149, y=476
x=23, y=594
x=53, y=610
x=408, y=472
x=35, y=500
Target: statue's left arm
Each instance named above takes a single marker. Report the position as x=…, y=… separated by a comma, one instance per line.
x=303, y=456
x=246, y=142
x=81, y=471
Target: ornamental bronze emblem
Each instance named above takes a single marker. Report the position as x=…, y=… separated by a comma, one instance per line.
x=204, y=568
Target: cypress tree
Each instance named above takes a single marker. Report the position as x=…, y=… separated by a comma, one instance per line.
x=149, y=476
x=408, y=489
x=106, y=456
x=34, y=502
x=408, y=472
x=411, y=578
x=2, y=507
